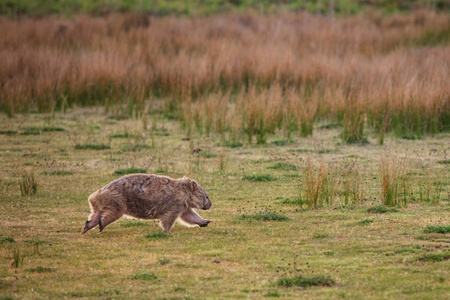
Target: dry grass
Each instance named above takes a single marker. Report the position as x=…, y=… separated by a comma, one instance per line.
x=237, y=75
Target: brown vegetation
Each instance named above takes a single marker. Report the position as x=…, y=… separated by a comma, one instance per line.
x=237, y=74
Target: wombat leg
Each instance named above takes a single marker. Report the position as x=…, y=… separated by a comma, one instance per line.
x=109, y=217
x=167, y=223
x=192, y=218
x=92, y=222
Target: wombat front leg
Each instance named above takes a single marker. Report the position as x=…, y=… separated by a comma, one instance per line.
x=192, y=218
x=93, y=221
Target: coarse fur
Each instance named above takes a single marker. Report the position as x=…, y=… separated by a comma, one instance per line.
x=147, y=196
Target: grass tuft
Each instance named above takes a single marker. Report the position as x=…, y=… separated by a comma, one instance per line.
x=305, y=281
x=6, y=239
x=92, y=147
x=8, y=132
x=437, y=229
x=164, y=261
x=264, y=216
x=365, y=221
x=157, y=236
x=59, y=173
x=260, y=177
x=40, y=269
x=436, y=256
x=380, y=209
x=143, y=276
x=28, y=184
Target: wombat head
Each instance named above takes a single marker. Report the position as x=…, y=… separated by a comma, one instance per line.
x=199, y=198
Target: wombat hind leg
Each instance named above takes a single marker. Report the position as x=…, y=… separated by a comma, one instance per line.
x=190, y=217
x=92, y=222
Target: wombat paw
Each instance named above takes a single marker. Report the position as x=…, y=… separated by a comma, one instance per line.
x=204, y=224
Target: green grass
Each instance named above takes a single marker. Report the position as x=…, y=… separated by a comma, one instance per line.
x=40, y=269
x=8, y=132
x=261, y=231
x=437, y=229
x=58, y=173
x=123, y=135
x=365, y=221
x=260, y=177
x=157, y=236
x=129, y=171
x=264, y=216
x=306, y=281
x=380, y=209
x=4, y=239
x=92, y=147
x=134, y=224
x=436, y=256
x=444, y=162
x=198, y=7
x=281, y=142
x=135, y=147
x=35, y=130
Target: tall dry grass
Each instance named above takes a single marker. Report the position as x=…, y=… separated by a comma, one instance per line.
x=237, y=75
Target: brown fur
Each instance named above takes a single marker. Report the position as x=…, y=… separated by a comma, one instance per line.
x=147, y=196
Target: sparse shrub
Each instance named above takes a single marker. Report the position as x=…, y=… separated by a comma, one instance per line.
x=222, y=161
x=395, y=183
x=92, y=147
x=143, y=276
x=17, y=258
x=353, y=123
x=306, y=281
x=316, y=188
x=351, y=185
x=260, y=177
x=129, y=171
x=437, y=229
x=28, y=183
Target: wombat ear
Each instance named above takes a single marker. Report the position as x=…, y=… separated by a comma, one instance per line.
x=193, y=185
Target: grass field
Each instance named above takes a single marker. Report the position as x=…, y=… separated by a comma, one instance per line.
x=299, y=218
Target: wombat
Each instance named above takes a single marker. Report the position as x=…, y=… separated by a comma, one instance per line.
x=146, y=196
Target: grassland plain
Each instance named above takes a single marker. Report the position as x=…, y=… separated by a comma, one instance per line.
x=264, y=241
